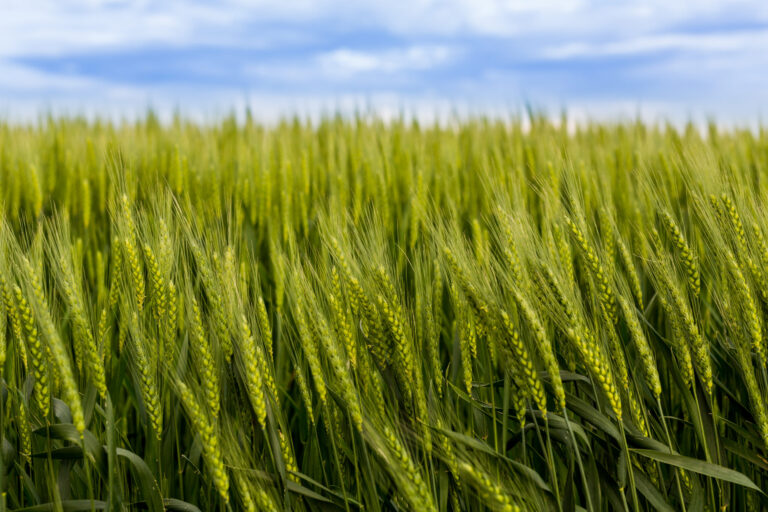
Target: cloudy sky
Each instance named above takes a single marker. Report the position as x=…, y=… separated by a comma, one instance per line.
x=598, y=58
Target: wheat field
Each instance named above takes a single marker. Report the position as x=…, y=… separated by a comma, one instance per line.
x=352, y=314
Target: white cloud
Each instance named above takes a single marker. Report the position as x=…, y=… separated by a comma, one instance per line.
x=51, y=27
x=557, y=19
x=352, y=67
x=20, y=78
x=346, y=61
x=706, y=43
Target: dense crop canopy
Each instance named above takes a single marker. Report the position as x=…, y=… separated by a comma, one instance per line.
x=383, y=316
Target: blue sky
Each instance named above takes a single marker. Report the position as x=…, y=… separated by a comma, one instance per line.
x=675, y=59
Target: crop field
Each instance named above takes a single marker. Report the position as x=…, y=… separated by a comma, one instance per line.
x=352, y=314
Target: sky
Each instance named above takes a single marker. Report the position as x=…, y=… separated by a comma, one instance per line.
x=674, y=59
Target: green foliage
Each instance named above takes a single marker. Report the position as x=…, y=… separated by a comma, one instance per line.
x=384, y=316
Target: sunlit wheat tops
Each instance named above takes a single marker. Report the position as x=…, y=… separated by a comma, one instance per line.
x=206, y=362
x=253, y=372
x=358, y=314
x=605, y=291
x=519, y=358
x=83, y=334
x=209, y=440
x=643, y=348
x=38, y=356
x=146, y=378
x=491, y=492
x=685, y=252
x=3, y=348
x=13, y=318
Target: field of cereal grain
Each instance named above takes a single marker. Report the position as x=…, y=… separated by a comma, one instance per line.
x=354, y=314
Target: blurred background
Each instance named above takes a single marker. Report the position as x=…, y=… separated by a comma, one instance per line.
x=675, y=60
